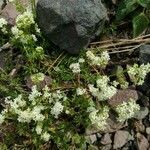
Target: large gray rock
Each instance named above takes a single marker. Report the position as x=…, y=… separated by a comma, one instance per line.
x=70, y=24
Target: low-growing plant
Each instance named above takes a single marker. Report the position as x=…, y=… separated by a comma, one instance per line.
x=75, y=100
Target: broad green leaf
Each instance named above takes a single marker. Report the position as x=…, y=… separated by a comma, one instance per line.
x=144, y=3
x=126, y=7
x=140, y=23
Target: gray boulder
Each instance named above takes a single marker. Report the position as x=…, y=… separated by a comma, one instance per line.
x=70, y=24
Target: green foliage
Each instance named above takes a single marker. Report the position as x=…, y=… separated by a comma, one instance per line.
x=133, y=8
x=140, y=23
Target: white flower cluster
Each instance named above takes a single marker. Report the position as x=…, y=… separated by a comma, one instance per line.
x=138, y=73
x=34, y=108
x=75, y=67
x=57, y=109
x=36, y=78
x=101, y=61
x=25, y=21
x=80, y=91
x=99, y=118
x=103, y=91
x=3, y=24
x=127, y=110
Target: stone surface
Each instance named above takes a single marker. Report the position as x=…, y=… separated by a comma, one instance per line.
x=123, y=96
x=148, y=130
x=106, y=147
x=70, y=24
x=142, y=142
x=106, y=139
x=91, y=138
x=120, y=139
x=9, y=13
x=145, y=54
x=142, y=113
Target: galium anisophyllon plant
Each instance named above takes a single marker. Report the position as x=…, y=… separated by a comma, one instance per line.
x=103, y=91
x=25, y=36
x=138, y=73
x=127, y=110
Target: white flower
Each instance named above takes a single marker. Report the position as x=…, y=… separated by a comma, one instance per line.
x=99, y=118
x=34, y=94
x=75, y=67
x=37, y=77
x=80, y=91
x=16, y=32
x=45, y=136
x=3, y=22
x=101, y=61
x=25, y=116
x=103, y=91
x=127, y=110
x=57, y=109
x=2, y=118
x=38, y=129
x=81, y=60
x=25, y=20
x=34, y=37
x=138, y=73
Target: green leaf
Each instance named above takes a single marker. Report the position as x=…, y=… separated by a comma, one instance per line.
x=125, y=8
x=140, y=23
x=144, y=3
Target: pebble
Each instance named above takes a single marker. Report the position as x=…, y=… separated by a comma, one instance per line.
x=142, y=142
x=106, y=139
x=142, y=113
x=121, y=138
x=148, y=130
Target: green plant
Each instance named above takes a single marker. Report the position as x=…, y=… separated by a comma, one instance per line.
x=138, y=10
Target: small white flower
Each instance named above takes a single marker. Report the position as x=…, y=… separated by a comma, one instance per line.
x=25, y=20
x=75, y=67
x=80, y=91
x=99, y=118
x=81, y=60
x=127, y=110
x=45, y=136
x=2, y=118
x=57, y=109
x=38, y=129
x=34, y=37
x=2, y=22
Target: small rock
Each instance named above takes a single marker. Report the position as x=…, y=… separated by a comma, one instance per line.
x=121, y=138
x=142, y=113
x=142, y=142
x=106, y=139
x=145, y=54
x=9, y=13
x=99, y=135
x=123, y=95
x=92, y=147
x=106, y=147
x=91, y=138
x=139, y=127
x=148, y=130
x=145, y=101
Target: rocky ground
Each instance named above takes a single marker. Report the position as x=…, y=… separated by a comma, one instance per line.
x=133, y=134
